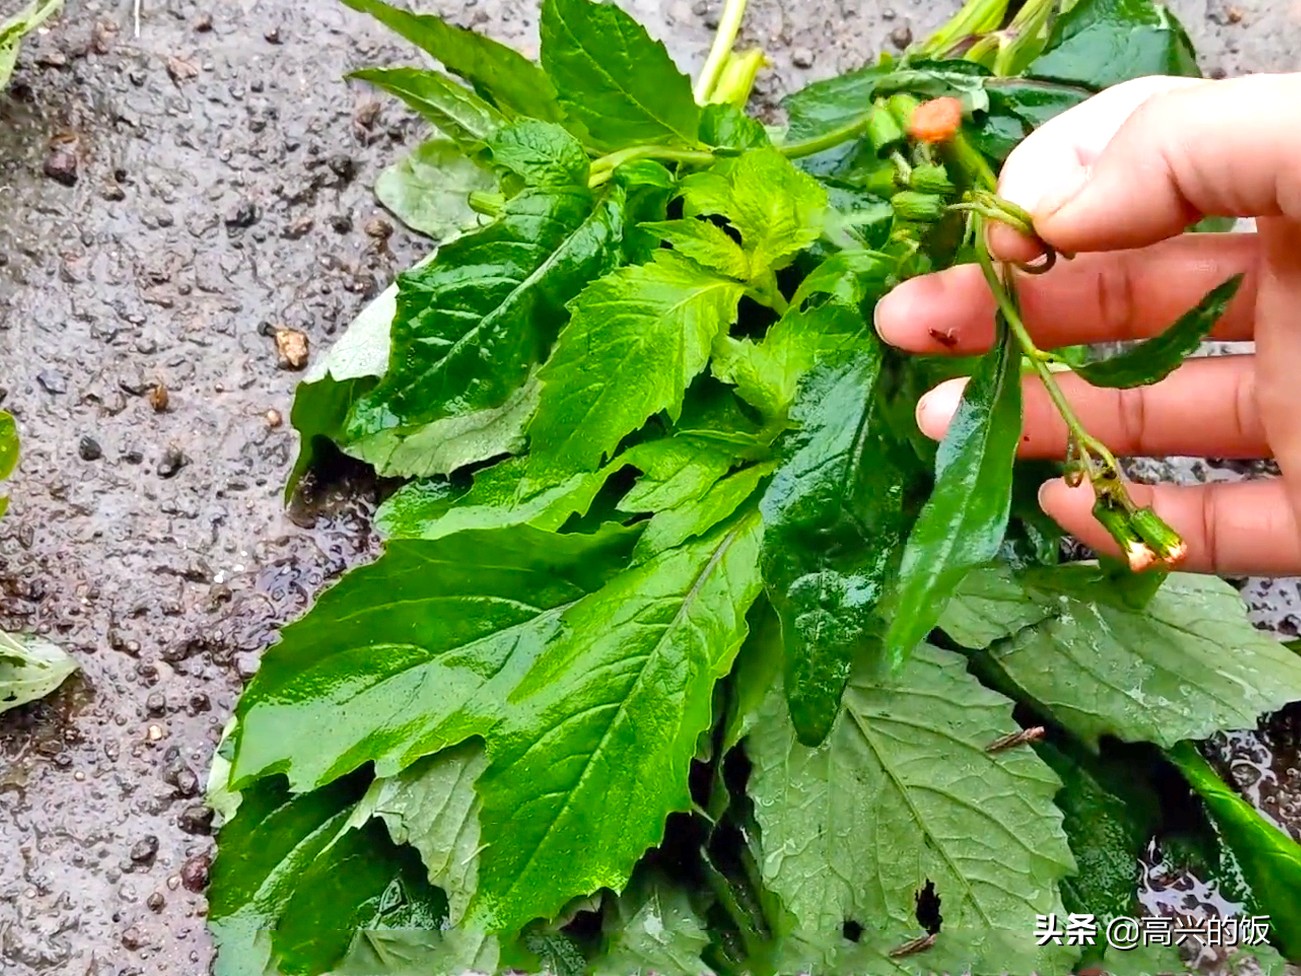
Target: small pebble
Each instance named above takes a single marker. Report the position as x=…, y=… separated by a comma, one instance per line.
x=156, y=704
x=196, y=820
x=145, y=850
x=341, y=223
x=154, y=733
x=187, y=783
x=901, y=37
x=273, y=418
x=291, y=348
x=194, y=873
x=273, y=36
x=52, y=381
x=131, y=939
x=802, y=57
x=181, y=70
x=203, y=23
x=172, y=461
x=378, y=228
x=155, y=901
x=89, y=450
x=243, y=214
x=61, y=166
x=158, y=397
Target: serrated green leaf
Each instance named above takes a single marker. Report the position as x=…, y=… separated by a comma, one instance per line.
x=767, y=373
x=291, y=882
x=728, y=127
x=414, y=652
x=963, y=522
x=617, y=83
x=429, y=189
x=675, y=470
x=1154, y=359
x=542, y=153
x=419, y=952
x=593, y=752
x=904, y=792
x=848, y=277
x=449, y=444
x=1186, y=665
x=635, y=340
x=30, y=668
x=653, y=930
x=1099, y=43
x=777, y=209
x=498, y=72
x=472, y=324
x=432, y=806
x=835, y=527
x=834, y=103
x=456, y=111
x=705, y=243
x=1270, y=859
x=1018, y=106
x=675, y=526
x=498, y=497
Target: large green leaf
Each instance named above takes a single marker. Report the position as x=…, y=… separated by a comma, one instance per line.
x=458, y=112
x=963, y=522
x=413, y=652
x=593, y=751
x=1187, y=664
x=620, y=86
x=835, y=526
x=777, y=209
x=30, y=668
x=432, y=806
x=497, y=72
x=673, y=526
x=429, y=189
x=831, y=104
x=652, y=929
x=767, y=373
x=1098, y=43
x=472, y=324
x=419, y=952
x=292, y=882
x=635, y=340
x=904, y=792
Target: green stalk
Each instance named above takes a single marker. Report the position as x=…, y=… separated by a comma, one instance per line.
x=729, y=25
x=1022, y=38
x=976, y=17
x=603, y=168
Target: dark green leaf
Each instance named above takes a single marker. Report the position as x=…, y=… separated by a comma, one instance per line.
x=458, y=112
x=593, y=752
x=1018, y=106
x=292, y=882
x=614, y=80
x=414, y=652
x=419, y=952
x=963, y=522
x=850, y=277
x=835, y=103
x=1158, y=357
x=472, y=324
x=500, y=73
x=652, y=928
x=1159, y=674
x=1270, y=859
x=904, y=791
x=834, y=527
x=1098, y=43
x=636, y=339
x=543, y=154
x=429, y=189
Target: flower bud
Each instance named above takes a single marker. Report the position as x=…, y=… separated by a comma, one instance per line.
x=1169, y=547
x=931, y=179
x=920, y=207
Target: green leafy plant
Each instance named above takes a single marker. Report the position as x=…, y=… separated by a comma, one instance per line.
x=13, y=30
x=686, y=651
x=30, y=667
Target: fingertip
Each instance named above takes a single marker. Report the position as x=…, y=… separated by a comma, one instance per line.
x=897, y=316
x=1008, y=244
x=936, y=408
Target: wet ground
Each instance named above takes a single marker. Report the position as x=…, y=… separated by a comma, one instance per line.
x=168, y=198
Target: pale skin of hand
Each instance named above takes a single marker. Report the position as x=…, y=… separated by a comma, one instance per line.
x=1116, y=181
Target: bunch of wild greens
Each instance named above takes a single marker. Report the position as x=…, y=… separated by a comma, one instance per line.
x=686, y=652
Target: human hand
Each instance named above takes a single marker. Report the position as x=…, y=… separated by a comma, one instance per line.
x=1116, y=181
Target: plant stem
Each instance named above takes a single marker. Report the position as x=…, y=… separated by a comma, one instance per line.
x=603, y=168
x=828, y=140
x=976, y=17
x=1090, y=447
x=729, y=25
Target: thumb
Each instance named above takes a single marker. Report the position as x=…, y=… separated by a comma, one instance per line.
x=1222, y=148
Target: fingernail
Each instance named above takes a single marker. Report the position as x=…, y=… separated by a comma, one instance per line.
x=935, y=409
x=888, y=309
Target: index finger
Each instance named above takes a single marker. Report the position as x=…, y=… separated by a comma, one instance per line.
x=1221, y=148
